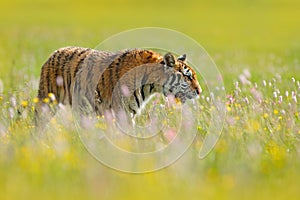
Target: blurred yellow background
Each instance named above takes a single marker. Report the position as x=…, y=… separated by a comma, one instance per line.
x=217, y=24
x=31, y=30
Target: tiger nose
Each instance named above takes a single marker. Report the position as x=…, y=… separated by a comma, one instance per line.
x=199, y=90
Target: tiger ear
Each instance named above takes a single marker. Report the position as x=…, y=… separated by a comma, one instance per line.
x=169, y=60
x=182, y=57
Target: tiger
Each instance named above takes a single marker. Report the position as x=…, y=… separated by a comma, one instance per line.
x=103, y=77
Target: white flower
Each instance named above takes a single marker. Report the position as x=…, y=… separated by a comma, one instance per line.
x=247, y=73
x=1, y=86
x=13, y=101
x=280, y=99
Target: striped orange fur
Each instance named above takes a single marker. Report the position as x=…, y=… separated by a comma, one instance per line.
x=100, y=77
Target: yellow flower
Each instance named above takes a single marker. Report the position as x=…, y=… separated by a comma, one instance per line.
x=266, y=115
x=199, y=128
x=278, y=127
x=277, y=152
x=35, y=100
x=53, y=121
x=253, y=125
x=280, y=117
x=24, y=104
x=275, y=112
x=237, y=105
x=51, y=96
x=46, y=100
x=221, y=146
x=177, y=101
x=55, y=102
x=228, y=109
x=101, y=126
x=1, y=98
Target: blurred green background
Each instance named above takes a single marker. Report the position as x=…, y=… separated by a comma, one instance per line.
x=218, y=25
x=237, y=30
x=260, y=35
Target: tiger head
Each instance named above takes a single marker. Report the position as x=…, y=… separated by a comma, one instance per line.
x=182, y=81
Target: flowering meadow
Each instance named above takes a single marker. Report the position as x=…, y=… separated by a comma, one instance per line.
x=257, y=154
x=256, y=48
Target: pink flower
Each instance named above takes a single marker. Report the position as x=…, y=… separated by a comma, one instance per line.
x=125, y=90
x=170, y=134
x=256, y=95
x=230, y=99
x=59, y=80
